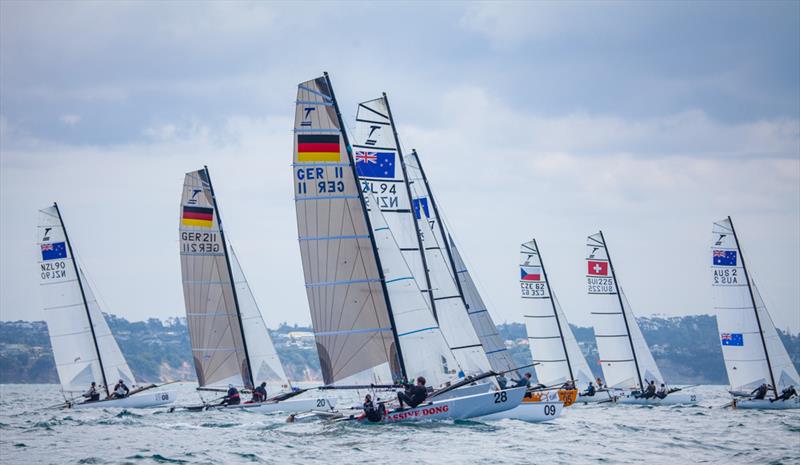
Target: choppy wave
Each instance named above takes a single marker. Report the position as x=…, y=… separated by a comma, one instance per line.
x=584, y=434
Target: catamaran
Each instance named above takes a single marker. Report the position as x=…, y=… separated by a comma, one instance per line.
x=371, y=320
x=753, y=351
x=230, y=341
x=457, y=289
x=628, y=364
x=84, y=348
x=550, y=339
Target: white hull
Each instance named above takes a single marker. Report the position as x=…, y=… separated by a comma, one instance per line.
x=765, y=404
x=287, y=406
x=676, y=398
x=534, y=412
x=605, y=397
x=143, y=400
x=465, y=391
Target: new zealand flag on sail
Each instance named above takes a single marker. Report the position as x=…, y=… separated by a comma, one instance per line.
x=375, y=164
x=54, y=251
x=724, y=258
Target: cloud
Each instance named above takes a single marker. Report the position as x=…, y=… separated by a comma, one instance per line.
x=70, y=119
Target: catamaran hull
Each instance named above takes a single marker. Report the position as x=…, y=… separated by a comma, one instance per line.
x=287, y=406
x=460, y=408
x=144, y=400
x=598, y=398
x=676, y=398
x=534, y=412
x=465, y=391
x=765, y=404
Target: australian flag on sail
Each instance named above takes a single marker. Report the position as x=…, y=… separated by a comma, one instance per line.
x=54, y=251
x=375, y=164
x=732, y=339
x=724, y=258
x=421, y=207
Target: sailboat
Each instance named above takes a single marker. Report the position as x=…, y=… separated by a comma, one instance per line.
x=627, y=362
x=370, y=318
x=84, y=349
x=230, y=341
x=753, y=351
x=552, y=344
x=470, y=320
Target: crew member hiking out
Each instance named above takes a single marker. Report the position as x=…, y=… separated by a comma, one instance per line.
x=92, y=395
x=232, y=398
x=413, y=395
x=650, y=390
x=120, y=390
x=373, y=412
x=662, y=391
x=786, y=394
x=760, y=392
x=590, y=390
x=259, y=394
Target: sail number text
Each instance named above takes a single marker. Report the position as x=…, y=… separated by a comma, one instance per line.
x=54, y=270
x=320, y=180
x=726, y=277
x=199, y=242
x=601, y=285
x=533, y=289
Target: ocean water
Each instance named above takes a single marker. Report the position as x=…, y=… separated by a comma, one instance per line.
x=33, y=434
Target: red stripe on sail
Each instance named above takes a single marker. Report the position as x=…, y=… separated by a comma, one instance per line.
x=317, y=147
x=198, y=216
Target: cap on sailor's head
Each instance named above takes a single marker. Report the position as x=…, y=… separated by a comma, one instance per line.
x=230, y=386
x=120, y=381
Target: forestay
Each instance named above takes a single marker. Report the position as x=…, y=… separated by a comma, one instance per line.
x=493, y=345
x=551, y=342
x=349, y=309
x=263, y=357
x=218, y=348
x=425, y=352
x=624, y=354
x=751, y=347
x=84, y=349
x=451, y=311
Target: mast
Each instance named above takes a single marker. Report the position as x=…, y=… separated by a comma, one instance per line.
x=411, y=211
x=230, y=275
x=369, y=227
x=755, y=309
x=83, y=296
x=555, y=312
x=622, y=308
x=445, y=236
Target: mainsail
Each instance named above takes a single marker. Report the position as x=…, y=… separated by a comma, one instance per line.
x=624, y=354
x=552, y=344
x=751, y=347
x=215, y=326
x=493, y=345
x=450, y=306
x=352, y=318
x=84, y=349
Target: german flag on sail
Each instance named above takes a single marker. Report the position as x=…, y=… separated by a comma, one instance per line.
x=318, y=147
x=197, y=216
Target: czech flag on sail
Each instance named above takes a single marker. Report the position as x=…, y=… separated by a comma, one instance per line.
x=375, y=164
x=54, y=251
x=732, y=339
x=318, y=148
x=724, y=258
x=197, y=216
x=530, y=273
x=597, y=268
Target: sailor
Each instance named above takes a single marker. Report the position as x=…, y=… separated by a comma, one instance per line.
x=786, y=394
x=413, y=395
x=662, y=391
x=590, y=391
x=92, y=395
x=232, y=398
x=373, y=413
x=568, y=386
x=524, y=381
x=760, y=392
x=120, y=390
x=600, y=384
x=502, y=381
x=259, y=393
x=650, y=390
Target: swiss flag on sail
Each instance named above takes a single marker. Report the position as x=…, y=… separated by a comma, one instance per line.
x=598, y=268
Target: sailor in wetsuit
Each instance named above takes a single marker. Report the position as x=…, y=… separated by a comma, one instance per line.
x=662, y=391
x=232, y=398
x=413, y=395
x=374, y=413
x=120, y=390
x=590, y=391
x=92, y=395
x=650, y=390
x=786, y=394
x=259, y=394
x=760, y=392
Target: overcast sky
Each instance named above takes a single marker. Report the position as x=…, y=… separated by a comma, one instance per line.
x=548, y=120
